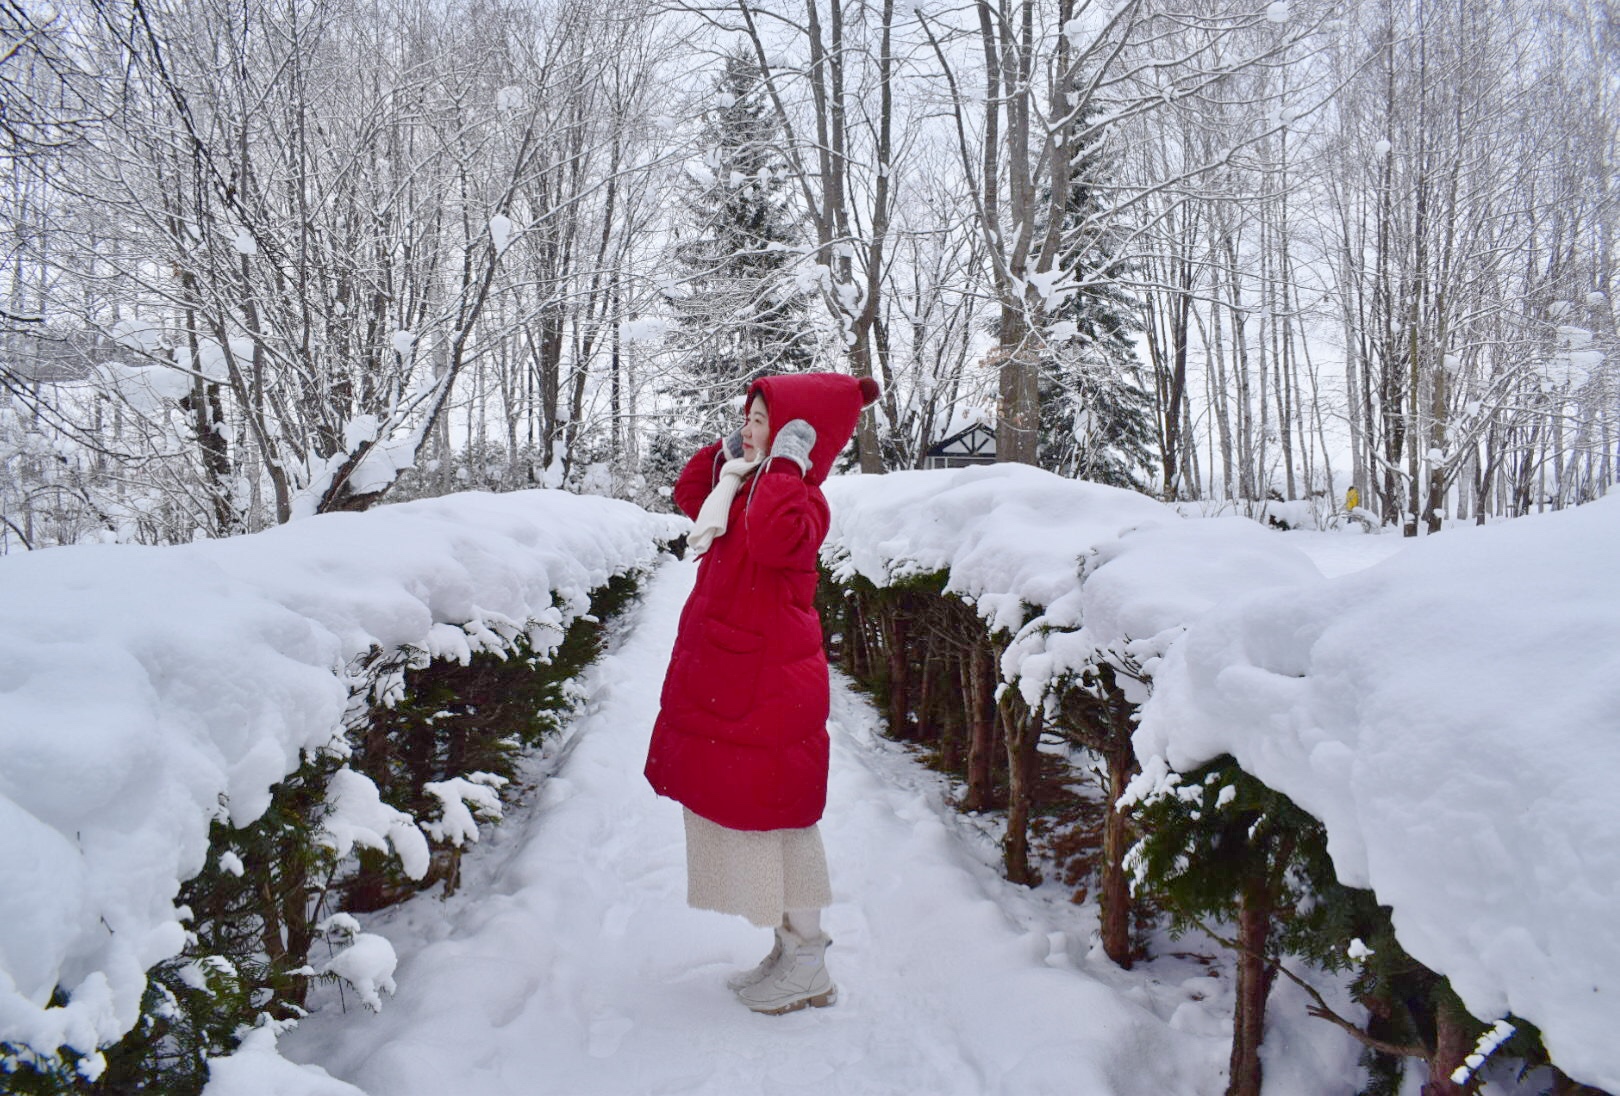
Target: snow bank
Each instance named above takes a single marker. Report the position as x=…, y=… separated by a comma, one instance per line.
x=1452, y=715
x=146, y=691
x=1008, y=534
x=1449, y=707
x=256, y=1069
x=1102, y=573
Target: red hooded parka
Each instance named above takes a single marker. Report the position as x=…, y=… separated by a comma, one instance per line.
x=741, y=736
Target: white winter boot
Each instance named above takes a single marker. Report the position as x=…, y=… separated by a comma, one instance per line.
x=743, y=979
x=799, y=979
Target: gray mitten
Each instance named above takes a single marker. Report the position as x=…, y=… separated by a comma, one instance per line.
x=794, y=441
x=732, y=445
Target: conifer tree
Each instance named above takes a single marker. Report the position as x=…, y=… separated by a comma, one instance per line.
x=740, y=313
x=1096, y=420
x=1223, y=852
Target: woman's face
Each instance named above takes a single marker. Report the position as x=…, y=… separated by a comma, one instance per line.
x=756, y=428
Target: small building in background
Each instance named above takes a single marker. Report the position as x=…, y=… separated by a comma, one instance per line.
x=975, y=445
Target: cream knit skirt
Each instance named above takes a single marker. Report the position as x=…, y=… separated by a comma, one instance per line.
x=760, y=874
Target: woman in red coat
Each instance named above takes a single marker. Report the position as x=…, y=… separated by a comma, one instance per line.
x=741, y=736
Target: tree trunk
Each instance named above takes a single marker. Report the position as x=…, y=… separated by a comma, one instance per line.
x=1115, y=896
x=900, y=655
x=1451, y=1046
x=981, y=728
x=1253, y=986
x=922, y=728
x=1172, y=389
x=855, y=663
x=1018, y=416
x=1023, y=766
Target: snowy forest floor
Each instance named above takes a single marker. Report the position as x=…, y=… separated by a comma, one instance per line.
x=569, y=963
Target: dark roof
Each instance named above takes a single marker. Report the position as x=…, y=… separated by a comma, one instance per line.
x=974, y=441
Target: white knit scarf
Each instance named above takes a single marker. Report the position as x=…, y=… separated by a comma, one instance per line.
x=716, y=509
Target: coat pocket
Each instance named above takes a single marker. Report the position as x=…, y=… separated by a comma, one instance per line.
x=725, y=669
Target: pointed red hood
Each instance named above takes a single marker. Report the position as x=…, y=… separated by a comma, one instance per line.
x=830, y=402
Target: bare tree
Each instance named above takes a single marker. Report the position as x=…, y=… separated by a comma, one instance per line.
x=830, y=80
x=1058, y=80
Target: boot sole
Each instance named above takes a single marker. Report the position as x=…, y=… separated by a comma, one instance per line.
x=820, y=1000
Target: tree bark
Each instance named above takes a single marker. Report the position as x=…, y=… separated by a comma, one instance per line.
x=1023, y=735
x=981, y=727
x=899, y=653
x=1114, y=897
x=1253, y=987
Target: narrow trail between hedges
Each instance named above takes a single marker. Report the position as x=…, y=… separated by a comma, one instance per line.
x=569, y=963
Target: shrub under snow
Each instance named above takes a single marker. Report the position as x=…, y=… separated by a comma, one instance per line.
x=145, y=692
x=1451, y=714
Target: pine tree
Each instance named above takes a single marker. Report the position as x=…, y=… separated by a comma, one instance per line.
x=740, y=313
x=1222, y=849
x=1096, y=415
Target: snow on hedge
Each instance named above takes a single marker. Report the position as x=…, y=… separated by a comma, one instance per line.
x=1008, y=534
x=146, y=691
x=1452, y=715
x=1448, y=707
x=1015, y=541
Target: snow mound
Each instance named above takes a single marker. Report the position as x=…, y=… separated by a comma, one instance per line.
x=1008, y=534
x=255, y=1069
x=1448, y=707
x=1101, y=573
x=145, y=692
x=1452, y=715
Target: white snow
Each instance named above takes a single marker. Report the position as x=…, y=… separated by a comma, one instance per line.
x=456, y=824
x=360, y=430
x=257, y=1070
x=1014, y=539
x=1499, y=1033
x=142, y=688
x=360, y=817
x=146, y=388
x=643, y=330
x=1088, y=25
x=1575, y=363
x=1008, y=534
x=500, y=232
x=211, y=357
x=1452, y=715
x=1053, y=286
x=367, y=966
x=381, y=465
x=145, y=336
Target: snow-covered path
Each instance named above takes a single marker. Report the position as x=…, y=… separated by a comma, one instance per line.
x=569, y=962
